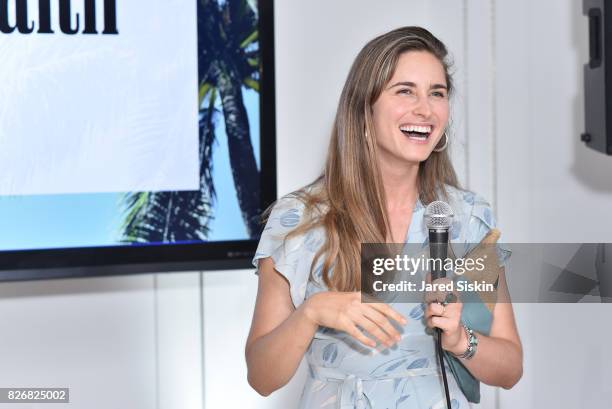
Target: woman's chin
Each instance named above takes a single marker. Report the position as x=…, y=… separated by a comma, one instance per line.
x=418, y=155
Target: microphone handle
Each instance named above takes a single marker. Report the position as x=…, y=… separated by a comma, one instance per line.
x=438, y=249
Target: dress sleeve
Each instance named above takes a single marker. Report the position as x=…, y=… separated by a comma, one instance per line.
x=481, y=221
x=477, y=311
x=286, y=254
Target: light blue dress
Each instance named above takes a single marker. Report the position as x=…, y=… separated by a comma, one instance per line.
x=343, y=373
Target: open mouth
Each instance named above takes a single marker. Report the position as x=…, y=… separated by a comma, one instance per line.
x=416, y=132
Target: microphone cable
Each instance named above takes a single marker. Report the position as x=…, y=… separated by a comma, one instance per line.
x=438, y=219
x=442, y=367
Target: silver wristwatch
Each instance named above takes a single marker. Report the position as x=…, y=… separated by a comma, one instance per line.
x=472, y=343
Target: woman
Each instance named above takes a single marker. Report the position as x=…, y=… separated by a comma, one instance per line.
x=387, y=159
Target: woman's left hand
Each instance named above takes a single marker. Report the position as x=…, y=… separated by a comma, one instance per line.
x=448, y=319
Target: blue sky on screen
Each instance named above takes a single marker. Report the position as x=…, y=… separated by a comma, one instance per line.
x=61, y=221
x=228, y=223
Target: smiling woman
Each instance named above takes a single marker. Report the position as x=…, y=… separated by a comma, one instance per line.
x=387, y=158
x=415, y=106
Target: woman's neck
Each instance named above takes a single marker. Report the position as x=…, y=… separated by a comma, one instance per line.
x=400, y=184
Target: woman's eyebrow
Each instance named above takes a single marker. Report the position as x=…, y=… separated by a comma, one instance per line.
x=412, y=84
x=403, y=84
x=438, y=86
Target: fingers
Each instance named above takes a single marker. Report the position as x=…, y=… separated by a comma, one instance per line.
x=353, y=331
x=452, y=310
x=383, y=308
x=384, y=323
x=446, y=317
x=389, y=312
x=447, y=325
x=434, y=309
x=373, y=329
x=374, y=318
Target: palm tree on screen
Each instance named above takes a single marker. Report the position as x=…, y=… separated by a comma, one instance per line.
x=227, y=61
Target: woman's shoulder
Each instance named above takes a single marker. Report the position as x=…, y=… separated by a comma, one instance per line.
x=291, y=253
x=292, y=206
x=287, y=210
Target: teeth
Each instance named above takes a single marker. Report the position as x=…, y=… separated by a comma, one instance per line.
x=415, y=128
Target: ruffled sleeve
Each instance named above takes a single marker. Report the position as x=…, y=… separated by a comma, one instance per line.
x=480, y=222
x=288, y=254
x=475, y=221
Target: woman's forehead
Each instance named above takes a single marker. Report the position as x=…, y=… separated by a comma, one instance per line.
x=418, y=67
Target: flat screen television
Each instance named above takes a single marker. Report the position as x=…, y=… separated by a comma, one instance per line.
x=135, y=136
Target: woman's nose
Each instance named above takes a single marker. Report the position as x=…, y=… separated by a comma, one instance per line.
x=422, y=107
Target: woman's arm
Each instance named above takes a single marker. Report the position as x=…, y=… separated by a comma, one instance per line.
x=281, y=334
x=499, y=356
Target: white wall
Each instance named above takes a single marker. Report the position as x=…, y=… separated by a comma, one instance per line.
x=121, y=342
x=149, y=341
x=550, y=188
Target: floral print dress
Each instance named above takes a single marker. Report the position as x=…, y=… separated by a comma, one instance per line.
x=343, y=373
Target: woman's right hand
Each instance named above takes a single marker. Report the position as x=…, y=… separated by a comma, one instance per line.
x=344, y=311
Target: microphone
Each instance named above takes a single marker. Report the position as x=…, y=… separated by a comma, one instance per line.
x=438, y=219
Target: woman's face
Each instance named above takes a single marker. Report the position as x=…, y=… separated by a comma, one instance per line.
x=411, y=113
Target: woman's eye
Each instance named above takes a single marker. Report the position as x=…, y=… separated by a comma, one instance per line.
x=438, y=94
x=405, y=91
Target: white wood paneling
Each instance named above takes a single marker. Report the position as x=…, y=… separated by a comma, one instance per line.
x=95, y=336
x=179, y=334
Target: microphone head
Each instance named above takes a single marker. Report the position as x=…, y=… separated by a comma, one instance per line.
x=438, y=215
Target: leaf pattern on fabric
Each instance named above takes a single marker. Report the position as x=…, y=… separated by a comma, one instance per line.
x=418, y=363
x=455, y=230
x=487, y=216
x=468, y=197
x=330, y=353
x=442, y=404
x=318, y=272
x=408, y=352
x=290, y=218
x=400, y=400
x=395, y=365
x=388, y=366
x=312, y=241
x=396, y=383
x=384, y=367
x=425, y=242
x=417, y=312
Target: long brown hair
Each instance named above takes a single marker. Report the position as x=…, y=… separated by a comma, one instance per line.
x=348, y=199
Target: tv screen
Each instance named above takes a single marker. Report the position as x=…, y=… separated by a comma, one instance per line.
x=134, y=136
